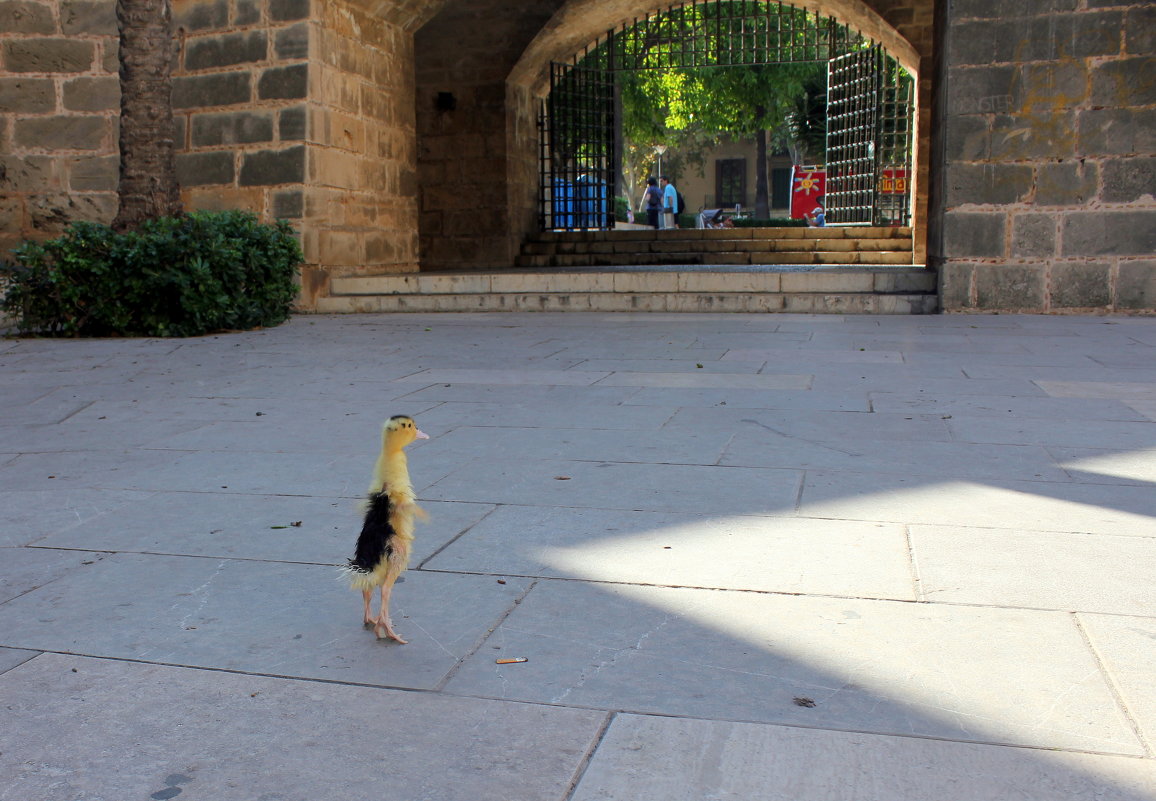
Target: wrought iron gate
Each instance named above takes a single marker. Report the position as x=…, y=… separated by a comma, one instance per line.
x=869, y=107
x=579, y=163
x=869, y=101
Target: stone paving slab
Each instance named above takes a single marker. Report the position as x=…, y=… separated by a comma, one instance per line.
x=515, y=443
x=1060, y=372
x=711, y=397
x=1099, y=466
x=711, y=380
x=504, y=376
x=976, y=573
x=80, y=436
x=932, y=460
x=333, y=474
x=11, y=657
x=527, y=397
x=1145, y=407
x=914, y=381
x=1097, y=389
x=770, y=426
x=568, y=415
x=1000, y=567
x=619, y=485
x=790, y=355
x=111, y=469
x=147, y=731
x=977, y=406
x=257, y=617
x=665, y=759
x=30, y=515
x=23, y=570
x=1127, y=646
x=1094, y=433
x=824, y=557
x=999, y=503
x=966, y=673
x=280, y=528
x=629, y=366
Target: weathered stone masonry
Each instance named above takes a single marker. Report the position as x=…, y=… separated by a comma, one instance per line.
x=400, y=135
x=59, y=103
x=288, y=108
x=1049, y=175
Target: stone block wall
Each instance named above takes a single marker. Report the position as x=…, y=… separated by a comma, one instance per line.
x=1049, y=156
x=240, y=90
x=476, y=151
x=360, y=190
x=293, y=109
x=239, y=97
x=59, y=103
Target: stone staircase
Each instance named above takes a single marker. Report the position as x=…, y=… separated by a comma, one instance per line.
x=729, y=246
x=806, y=270
x=812, y=290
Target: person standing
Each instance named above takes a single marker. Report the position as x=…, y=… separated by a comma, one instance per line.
x=652, y=203
x=670, y=209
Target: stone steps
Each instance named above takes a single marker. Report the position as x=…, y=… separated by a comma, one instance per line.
x=733, y=246
x=845, y=289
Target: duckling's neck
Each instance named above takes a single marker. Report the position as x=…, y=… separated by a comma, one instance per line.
x=391, y=471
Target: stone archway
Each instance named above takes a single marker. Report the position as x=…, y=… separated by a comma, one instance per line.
x=580, y=23
x=869, y=99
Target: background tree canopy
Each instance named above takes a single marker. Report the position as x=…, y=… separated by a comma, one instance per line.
x=727, y=93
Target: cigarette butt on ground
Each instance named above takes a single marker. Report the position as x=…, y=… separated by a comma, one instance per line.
x=511, y=661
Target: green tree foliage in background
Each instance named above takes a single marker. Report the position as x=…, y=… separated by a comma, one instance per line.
x=692, y=109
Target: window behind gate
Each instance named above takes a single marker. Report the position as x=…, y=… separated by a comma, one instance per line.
x=730, y=182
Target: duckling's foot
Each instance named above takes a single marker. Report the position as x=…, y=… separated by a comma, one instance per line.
x=384, y=630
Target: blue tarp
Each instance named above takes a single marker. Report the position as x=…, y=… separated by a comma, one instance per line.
x=582, y=203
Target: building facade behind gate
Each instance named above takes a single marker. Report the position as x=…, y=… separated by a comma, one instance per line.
x=400, y=135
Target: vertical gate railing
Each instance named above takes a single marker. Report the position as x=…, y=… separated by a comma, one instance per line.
x=577, y=126
x=894, y=137
x=852, y=121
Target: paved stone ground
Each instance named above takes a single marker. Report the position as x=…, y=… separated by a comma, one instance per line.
x=746, y=557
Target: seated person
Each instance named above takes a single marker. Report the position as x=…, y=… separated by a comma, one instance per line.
x=816, y=217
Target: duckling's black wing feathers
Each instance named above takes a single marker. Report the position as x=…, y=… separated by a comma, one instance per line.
x=375, y=542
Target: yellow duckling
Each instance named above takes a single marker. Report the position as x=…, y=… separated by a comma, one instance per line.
x=383, y=547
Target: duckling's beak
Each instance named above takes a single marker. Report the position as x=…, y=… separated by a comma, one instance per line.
x=422, y=435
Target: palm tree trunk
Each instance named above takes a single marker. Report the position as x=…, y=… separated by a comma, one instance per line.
x=148, y=179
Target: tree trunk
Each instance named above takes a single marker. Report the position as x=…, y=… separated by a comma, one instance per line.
x=148, y=177
x=762, y=187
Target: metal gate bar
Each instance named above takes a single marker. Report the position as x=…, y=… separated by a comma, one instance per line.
x=578, y=131
x=724, y=33
x=852, y=118
x=894, y=135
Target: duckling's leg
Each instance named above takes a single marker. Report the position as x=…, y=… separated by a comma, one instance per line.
x=368, y=619
x=383, y=626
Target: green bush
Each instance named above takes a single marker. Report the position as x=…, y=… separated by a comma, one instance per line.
x=172, y=277
x=621, y=204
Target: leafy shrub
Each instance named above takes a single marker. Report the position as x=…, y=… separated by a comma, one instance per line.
x=621, y=204
x=173, y=276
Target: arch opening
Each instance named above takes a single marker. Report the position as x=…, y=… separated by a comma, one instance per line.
x=868, y=147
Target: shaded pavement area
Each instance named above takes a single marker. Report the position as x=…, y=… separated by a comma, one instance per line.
x=744, y=557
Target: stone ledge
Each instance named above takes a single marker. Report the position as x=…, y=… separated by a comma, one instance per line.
x=641, y=281
x=812, y=303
